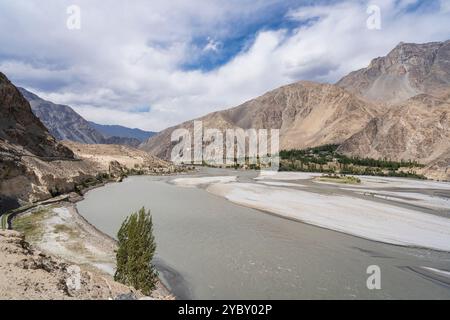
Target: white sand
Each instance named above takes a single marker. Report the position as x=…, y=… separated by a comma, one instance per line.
x=432, y=202
x=193, y=182
x=392, y=182
x=281, y=184
x=366, y=181
x=286, y=176
x=363, y=218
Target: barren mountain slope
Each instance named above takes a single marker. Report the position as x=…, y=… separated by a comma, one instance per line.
x=62, y=121
x=408, y=70
x=307, y=114
x=33, y=166
x=100, y=157
x=19, y=126
x=418, y=129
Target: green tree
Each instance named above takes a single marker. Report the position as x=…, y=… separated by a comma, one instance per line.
x=135, y=252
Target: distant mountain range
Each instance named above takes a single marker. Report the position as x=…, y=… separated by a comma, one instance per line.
x=35, y=166
x=398, y=108
x=65, y=124
x=308, y=114
x=120, y=131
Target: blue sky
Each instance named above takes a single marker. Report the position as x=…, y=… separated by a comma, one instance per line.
x=242, y=35
x=153, y=64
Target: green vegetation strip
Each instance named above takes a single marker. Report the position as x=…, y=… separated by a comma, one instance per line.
x=326, y=159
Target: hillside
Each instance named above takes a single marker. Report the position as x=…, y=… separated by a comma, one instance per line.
x=65, y=124
x=408, y=70
x=417, y=129
x=34, y=166
x=62, y=121
x=307, y=114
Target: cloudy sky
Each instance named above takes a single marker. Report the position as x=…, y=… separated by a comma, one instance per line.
x=152, y=64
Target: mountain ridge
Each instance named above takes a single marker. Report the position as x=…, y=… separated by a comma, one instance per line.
x=307, y=114
x=397, y=107
x=407, y=70
x=64, y=123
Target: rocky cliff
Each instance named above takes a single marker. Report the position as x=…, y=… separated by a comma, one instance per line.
x=20, y=127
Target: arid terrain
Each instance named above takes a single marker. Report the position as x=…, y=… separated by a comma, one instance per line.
x=396, y=108
x=30, y=274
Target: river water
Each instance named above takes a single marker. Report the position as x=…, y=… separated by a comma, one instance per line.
x=210, y=248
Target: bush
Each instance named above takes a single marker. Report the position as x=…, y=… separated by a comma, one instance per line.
x=135, y=253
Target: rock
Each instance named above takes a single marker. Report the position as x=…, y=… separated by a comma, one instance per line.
x=126, y=296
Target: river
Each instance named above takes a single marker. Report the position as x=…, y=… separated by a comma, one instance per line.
x=211, y=248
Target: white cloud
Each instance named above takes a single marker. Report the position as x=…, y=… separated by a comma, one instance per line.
x=127, y=56
x=212, y=45
x=445, y=5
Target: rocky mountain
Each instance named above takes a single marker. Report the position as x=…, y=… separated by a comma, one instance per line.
x=109, y=131
x=65, y=124
x=408, y=70
x=22, y=138
x=417, y=129
x=19, y=127
x=62, y=121
x=397, y=108
x=307, y=114
x=413, y=84
x=34, y=166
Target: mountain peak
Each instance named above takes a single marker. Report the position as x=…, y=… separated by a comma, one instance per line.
x=409, y=69
x=20, y=127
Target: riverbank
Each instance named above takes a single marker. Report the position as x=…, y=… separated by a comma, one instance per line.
x=32, y=274
x=328, y=204
x=216, y=249
x=55, y=227
x=59, y=230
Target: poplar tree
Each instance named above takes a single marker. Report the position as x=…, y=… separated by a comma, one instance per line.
x=135, y=252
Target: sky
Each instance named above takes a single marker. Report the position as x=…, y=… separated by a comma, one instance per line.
x=154, y=64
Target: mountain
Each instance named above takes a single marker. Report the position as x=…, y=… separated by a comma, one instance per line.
x=23, y=138
x=66, y=124
x=20, y=127
x=417, y=129
x=34, y=166
x=413, y=84
x=408, y=70
x=398, y=108
x=62, y=121
x=120, y=131
x=307, y=114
